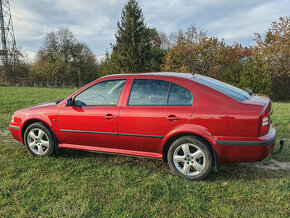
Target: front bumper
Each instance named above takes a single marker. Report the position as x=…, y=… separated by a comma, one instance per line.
x=234, y=150
x=15, y=130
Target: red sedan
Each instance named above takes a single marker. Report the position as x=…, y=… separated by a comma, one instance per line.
x=193, y=122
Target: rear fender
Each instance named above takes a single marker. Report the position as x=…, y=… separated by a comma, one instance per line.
x=196, y=130
x=190, y=129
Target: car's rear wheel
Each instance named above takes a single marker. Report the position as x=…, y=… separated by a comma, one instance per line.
x=38, y=140
x=190, y=157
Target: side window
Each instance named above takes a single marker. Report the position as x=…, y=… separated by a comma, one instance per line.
x=179, y=95
x=105, y=93
x=149, y=92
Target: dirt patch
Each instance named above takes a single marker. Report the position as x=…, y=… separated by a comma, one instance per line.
x=4, y=133
x=274, y=165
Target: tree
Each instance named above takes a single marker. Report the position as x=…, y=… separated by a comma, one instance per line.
x=109, y=65
x=274, y=52
x=193, y=52
x=133, y=42
x=157, y=53
x=64, y=60
x=250, y=76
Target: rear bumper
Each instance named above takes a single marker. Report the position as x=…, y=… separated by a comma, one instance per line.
x=230, y=150
x=249, y=143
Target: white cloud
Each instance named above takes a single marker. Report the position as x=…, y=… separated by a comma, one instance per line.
x=242, y=25
x=26, y=24
x=94, y=21
x=29, y=56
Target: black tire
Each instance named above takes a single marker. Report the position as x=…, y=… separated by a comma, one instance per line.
x=48, y=149
x=205, y=158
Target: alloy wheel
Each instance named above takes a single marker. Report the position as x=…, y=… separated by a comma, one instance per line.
x=189, y=159
x=38, y=141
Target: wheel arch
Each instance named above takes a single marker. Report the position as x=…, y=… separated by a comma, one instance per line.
x=174, y=137
x=27, y=123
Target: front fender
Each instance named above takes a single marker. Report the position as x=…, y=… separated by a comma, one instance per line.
x=50, y=121
x=39, y=117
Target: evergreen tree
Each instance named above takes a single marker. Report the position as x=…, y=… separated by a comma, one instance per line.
x=133, y=41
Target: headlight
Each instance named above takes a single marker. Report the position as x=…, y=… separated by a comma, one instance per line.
x=12, y=118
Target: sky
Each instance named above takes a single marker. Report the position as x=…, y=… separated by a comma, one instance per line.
x=94, y=22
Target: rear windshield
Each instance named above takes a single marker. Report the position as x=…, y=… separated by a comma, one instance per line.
x=229, y=90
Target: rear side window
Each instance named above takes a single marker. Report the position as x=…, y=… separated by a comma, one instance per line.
x=150, y=92
x=227, y=89
x=179, y=95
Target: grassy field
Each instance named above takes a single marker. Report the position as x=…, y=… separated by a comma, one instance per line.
x=79, y=183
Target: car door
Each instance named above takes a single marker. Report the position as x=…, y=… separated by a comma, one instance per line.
x=92, y=120
x=153, y=108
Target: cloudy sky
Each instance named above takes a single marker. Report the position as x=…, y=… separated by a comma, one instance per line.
x=94, y=21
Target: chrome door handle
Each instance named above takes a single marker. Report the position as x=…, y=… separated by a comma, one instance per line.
x=172, y=118
x=110, y=117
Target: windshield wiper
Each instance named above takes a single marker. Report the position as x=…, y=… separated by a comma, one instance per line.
x=59, y=101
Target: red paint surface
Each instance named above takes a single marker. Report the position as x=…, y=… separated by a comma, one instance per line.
x=212, y=116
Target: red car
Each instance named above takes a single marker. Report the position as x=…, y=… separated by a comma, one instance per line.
x=193, y=122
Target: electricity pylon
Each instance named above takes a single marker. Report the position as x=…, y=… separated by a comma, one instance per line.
x=8, y=51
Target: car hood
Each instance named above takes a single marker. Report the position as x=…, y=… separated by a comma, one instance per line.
x=49, y=104
x=44, y=104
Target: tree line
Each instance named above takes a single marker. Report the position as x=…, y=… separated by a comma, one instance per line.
x=264, y=67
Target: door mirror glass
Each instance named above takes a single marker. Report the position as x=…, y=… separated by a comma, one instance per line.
x=69, y=102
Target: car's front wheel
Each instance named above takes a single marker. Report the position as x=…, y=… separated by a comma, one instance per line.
x=38, y=140
x=189, y=157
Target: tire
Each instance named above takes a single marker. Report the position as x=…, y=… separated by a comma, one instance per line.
x=190, y=157
x=39, y=140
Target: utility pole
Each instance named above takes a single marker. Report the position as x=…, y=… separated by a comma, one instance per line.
x=8, y=51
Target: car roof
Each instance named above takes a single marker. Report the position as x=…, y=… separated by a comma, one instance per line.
x=165, y=74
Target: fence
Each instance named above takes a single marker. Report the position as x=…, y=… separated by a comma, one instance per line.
x=19, y=81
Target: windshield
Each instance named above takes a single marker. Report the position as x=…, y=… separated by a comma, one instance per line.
x=227, y=89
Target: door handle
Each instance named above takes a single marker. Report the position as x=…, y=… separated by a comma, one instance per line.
x=173, y=118
x=110, y=117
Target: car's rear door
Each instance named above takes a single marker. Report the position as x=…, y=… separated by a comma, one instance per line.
x=153, y=108
x=93, y=118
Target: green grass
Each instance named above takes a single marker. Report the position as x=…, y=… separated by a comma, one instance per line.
x=79, y=183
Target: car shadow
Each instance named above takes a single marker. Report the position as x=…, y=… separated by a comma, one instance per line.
x=248, y=172
x=227, y=172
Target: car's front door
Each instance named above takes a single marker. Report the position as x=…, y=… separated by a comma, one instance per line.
x=154, y=108
x=92, y=120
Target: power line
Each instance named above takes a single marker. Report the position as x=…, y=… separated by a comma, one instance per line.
x=8, y=51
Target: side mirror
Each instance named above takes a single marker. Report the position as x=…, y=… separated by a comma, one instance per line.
x=249, y=91
x=69, y=102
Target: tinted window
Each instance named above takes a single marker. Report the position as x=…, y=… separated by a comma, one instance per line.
x=179, y=95
x=158, y=92
x=149, y=92
x=229, y=90
x=103, y=93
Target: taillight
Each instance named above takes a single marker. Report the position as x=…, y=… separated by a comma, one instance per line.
x=265, y=123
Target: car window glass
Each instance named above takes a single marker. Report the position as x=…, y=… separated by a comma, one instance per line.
x=227, y=89
x=103, y=93
x=179, y=95
x=149, y=92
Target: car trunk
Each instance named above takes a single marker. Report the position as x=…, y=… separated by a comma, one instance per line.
x=264, y=118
